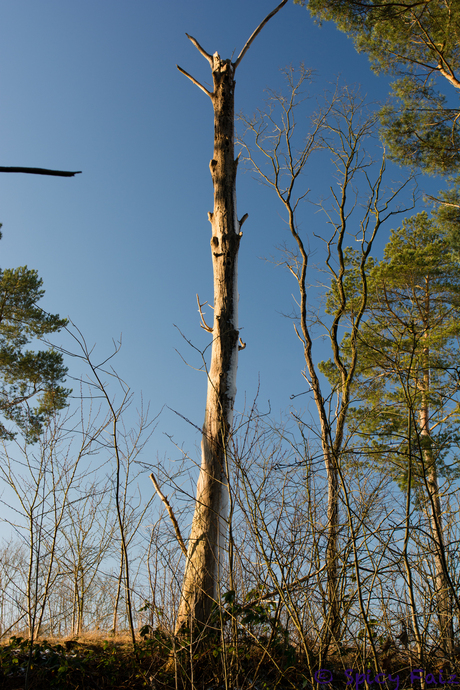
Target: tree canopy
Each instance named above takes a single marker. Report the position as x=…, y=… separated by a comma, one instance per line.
x=408, y=352
x=419, y=41
x=31, y=387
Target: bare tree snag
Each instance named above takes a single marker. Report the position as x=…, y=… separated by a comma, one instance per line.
x=209, y=526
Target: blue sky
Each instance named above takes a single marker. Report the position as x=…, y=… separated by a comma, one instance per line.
x=124, y=247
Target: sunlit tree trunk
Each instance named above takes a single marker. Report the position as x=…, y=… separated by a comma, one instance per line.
x=209, y=522
x=434, y=503
x=209, y=526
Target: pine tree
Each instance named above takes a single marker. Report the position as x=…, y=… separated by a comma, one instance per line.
x=419, y=42
x=30, y=382
x=406, y=388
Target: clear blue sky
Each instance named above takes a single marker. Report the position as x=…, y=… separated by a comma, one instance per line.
x=124, y=247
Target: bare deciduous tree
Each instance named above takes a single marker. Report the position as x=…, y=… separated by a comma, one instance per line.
x=339, y=130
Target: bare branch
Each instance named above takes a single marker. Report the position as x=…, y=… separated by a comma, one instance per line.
x=203, y=323
x=440, y=201
x=200, y=49
x=170, y=513
x=40, y=171
x=254, y=34
x=283, y=588
x=245, y=217
x=197, y=83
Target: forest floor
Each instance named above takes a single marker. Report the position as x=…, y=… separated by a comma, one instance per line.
x=93, y=661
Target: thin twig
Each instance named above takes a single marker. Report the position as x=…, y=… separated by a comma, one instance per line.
x=287, y=587
x=203, y=323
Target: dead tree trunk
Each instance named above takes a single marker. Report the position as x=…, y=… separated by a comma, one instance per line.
x=209, y=526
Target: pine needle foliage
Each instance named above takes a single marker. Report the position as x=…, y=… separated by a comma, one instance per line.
x=407, y=354
x=31, y=389
x=418, y=41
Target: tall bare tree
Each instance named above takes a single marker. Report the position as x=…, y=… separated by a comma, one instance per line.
x=340, y=129
x=209, y=526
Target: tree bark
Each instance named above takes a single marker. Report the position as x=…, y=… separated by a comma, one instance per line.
x=434, y=503
x=435, y=516
x=209, y=527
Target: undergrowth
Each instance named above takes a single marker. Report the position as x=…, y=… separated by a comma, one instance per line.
x=159, y=661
